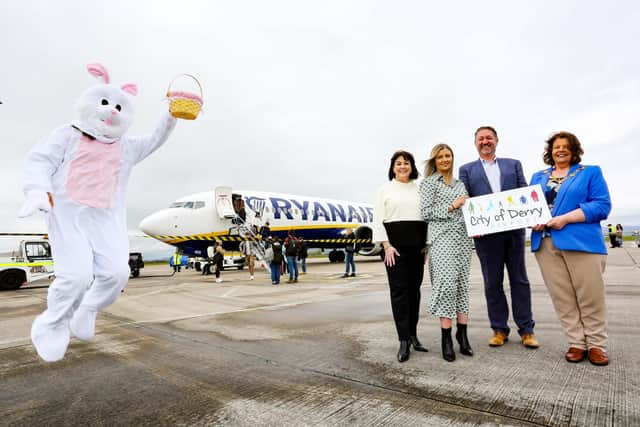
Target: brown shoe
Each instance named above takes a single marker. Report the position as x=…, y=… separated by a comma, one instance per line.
x=575, y=355
x=598, y=356
x=498, y=339
x=530, y=341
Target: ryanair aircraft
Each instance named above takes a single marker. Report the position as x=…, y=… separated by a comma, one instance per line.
x=194, y=222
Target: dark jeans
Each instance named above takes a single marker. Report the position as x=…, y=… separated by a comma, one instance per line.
x=494, y=252
x=275, y=272
x=350, y=262
x=405, y=279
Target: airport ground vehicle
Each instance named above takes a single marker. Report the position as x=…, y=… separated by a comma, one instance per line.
x=135, y=263
x=231, y=260
x=31, y=261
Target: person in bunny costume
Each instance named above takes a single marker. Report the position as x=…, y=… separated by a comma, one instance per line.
x=78, y=175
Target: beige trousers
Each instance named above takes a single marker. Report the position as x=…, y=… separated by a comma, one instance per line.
x=251, y=262
x=575, y=283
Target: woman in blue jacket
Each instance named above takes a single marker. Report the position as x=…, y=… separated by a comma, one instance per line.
x=570, y=248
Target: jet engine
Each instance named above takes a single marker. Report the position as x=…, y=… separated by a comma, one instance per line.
x=367, y=249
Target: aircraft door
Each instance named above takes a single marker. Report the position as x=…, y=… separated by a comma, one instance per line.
x=224, y=204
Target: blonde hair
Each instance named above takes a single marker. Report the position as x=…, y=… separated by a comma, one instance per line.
x=430, y=163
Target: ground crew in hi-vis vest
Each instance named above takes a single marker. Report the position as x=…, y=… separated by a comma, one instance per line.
x=176, y=260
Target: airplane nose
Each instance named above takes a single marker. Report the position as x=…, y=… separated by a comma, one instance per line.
x=156, y=224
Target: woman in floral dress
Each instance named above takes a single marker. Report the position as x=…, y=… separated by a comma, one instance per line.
x=441, y=197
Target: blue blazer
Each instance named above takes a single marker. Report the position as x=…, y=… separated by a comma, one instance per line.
x=475, y=179
x=587, y=190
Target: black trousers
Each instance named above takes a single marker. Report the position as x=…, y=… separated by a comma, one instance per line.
x=405, y=279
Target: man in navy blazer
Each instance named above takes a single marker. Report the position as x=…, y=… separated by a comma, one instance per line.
x=487, y=175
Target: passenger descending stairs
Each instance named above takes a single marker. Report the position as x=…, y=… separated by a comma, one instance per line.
x=248, y=233
x=225, y=208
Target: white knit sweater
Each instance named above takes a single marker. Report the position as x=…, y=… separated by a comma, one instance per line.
x=395, y=201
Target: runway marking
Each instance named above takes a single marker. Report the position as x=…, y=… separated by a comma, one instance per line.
x=631, y=256
x=157, y=291
x=214, y=313
x=193, y=316
x=21, y=341
x=229, y=292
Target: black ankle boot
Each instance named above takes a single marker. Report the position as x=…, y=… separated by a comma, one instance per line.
x=417, y=345
x=403, y=351
x=461, y=337
x=447, y=346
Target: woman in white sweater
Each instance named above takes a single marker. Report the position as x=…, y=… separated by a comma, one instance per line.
x=399, y=227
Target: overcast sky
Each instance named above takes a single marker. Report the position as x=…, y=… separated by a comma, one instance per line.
x=312, y=98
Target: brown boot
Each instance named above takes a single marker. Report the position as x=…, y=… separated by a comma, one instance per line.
x=530, y=341
x=498, y=339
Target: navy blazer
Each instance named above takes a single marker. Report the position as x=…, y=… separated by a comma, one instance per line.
x=585, y=188
x=475, y=179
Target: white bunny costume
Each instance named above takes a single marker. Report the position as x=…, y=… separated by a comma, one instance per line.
x=78, y=175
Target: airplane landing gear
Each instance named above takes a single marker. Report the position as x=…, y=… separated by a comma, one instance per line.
x=336, y=256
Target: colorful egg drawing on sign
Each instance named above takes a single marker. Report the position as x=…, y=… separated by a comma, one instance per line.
x=534, y=195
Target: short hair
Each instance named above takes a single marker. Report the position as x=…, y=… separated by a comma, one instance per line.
x=407, y=156
x=574, y=147
x=485, y=128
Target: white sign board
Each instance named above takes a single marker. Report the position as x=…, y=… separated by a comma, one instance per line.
x=507, y=210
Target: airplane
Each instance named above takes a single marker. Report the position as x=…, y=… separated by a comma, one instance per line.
x=194, y=222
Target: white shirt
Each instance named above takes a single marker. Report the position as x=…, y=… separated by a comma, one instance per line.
x=493, y=174
x=395, y=201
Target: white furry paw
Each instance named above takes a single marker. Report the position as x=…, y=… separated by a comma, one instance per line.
x=35, y=201
x=83, y=323
x=50, y=342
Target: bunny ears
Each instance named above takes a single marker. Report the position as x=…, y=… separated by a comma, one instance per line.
x=99, y=71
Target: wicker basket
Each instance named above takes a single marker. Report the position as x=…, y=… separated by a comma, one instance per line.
x=184, y=105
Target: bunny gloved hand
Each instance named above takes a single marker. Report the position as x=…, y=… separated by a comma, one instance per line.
x=36, y=200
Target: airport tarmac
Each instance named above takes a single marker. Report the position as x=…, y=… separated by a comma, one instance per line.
x=183, y=350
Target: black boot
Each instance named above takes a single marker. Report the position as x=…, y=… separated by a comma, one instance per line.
x=403, y=351
x=417, y=345
x=461, y=337
x=447, y=345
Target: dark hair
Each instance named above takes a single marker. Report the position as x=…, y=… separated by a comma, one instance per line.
x=485, y=128
x=574, y=147
x=407, y=156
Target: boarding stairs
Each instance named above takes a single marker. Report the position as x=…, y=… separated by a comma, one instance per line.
x=248, y=233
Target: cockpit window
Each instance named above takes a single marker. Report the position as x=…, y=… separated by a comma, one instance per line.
x=187, y=205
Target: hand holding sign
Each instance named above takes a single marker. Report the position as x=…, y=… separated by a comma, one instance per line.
x=507, y=210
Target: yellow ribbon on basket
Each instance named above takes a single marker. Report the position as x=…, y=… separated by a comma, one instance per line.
x=184, y=105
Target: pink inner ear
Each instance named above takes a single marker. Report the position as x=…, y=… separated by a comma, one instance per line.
x=130, y=88
x=99, y=71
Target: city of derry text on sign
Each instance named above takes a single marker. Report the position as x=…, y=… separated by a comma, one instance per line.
x=507, y=210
